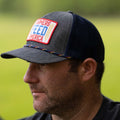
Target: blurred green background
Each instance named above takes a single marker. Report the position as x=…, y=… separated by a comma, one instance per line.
x=16, y=19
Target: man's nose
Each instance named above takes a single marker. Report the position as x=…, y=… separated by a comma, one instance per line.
x=31, y=75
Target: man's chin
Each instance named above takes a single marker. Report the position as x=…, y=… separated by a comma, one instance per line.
x=41, y=104
x=44, y=106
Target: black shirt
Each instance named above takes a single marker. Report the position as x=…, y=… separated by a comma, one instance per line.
x=1, y=118
x=109, y=110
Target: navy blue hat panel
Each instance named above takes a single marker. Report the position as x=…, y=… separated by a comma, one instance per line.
x=85, y=41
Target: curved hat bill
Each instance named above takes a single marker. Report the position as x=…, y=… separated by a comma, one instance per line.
x=32, y=55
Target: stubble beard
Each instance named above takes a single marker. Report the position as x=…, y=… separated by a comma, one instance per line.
x=58, y=105
x=48, y=105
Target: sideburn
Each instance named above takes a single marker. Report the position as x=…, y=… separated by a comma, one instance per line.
x=74, y=63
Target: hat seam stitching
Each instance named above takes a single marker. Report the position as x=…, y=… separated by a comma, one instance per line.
x=46, y=50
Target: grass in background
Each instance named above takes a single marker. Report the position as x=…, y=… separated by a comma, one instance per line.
x=15, y=96
x=110, y=31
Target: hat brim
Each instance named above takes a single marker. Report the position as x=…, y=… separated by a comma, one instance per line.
x=33, y=55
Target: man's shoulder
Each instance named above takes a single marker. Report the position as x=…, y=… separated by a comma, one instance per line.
x=111, y=105
x=110, y=110
x=33, y=117
x=38, y=116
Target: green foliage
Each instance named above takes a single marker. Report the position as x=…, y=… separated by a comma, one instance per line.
x=15, y=97
x=40, y=7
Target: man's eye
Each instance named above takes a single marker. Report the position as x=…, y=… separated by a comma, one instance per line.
x=43, y=64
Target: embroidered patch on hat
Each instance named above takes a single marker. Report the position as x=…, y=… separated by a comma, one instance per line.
x=42, y=31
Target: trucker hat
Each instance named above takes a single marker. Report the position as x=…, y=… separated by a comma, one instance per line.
x=58, y=36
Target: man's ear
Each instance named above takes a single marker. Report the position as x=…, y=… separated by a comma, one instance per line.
x=87, y=69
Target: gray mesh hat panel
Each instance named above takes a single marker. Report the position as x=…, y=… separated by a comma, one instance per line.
x=61, y=34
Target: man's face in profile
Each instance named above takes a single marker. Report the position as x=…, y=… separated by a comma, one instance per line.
x=53, y=86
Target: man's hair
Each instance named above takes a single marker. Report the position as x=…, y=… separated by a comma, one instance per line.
x=99, y=70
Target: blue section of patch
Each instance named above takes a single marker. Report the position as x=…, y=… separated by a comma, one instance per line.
x=39, y=30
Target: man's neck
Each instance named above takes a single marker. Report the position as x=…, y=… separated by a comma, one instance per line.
x=86, y=111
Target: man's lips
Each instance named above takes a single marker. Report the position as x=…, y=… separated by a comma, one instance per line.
x=36, y=92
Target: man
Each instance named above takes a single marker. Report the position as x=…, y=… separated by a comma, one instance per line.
x=66, y=55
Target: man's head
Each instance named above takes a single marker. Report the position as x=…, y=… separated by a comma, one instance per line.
x=56, y=86
x=66, y=55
